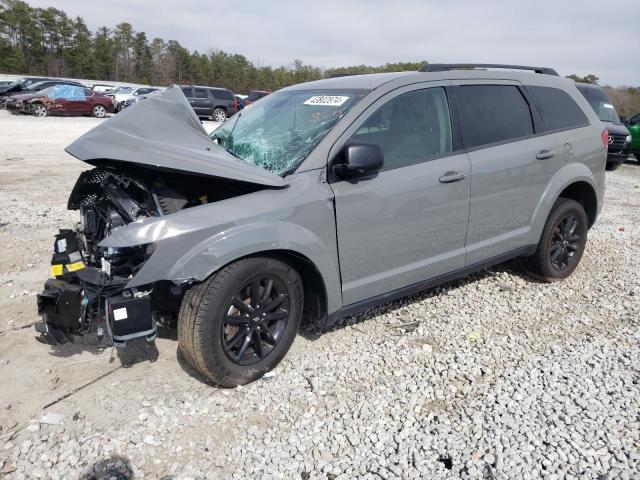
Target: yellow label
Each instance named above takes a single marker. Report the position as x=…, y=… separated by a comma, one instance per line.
x=56, y=270
x=72, y=267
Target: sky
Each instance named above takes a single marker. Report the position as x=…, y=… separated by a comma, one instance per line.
x=578, y=37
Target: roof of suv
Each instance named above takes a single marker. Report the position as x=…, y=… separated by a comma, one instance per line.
x=372, y=81
x=206, y=86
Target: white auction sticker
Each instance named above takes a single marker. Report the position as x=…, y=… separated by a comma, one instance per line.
x=327, y=100
x=607, y=105
x=62, y=245
x=120, y=314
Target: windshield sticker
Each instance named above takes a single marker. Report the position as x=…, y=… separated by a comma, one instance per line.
x=327, y=100
x=607, y=105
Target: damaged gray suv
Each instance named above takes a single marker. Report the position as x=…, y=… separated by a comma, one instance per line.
x=321, y=200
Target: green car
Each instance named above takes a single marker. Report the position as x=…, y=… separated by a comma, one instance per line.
x=634, y=129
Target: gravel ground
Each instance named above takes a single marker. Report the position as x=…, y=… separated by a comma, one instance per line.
x=494, y=376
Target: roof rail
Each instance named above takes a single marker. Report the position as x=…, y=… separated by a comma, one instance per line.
x=443, y=67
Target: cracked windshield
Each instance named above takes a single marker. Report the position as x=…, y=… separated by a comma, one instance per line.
x=278, y=132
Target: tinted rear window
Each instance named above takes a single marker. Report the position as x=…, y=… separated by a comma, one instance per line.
x=201, y=93
x=223, y=94
x=557, y=108
x=188, y=91
x=493, y=113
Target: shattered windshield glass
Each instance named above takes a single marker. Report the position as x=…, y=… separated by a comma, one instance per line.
x=279, y=131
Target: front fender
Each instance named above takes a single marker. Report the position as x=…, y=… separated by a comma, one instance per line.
x=194, y=243
x=570, y=173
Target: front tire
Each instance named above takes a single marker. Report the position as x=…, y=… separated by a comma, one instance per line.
x=218, y=115
x=239, y=323
x=39, y=110
x=562, y=243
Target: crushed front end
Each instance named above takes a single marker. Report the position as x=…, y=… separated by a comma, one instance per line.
x=87, y=298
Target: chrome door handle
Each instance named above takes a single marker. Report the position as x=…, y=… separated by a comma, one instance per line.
x=544, y=154
x=451, y=177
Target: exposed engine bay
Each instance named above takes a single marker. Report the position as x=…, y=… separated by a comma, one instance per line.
x=87, y=297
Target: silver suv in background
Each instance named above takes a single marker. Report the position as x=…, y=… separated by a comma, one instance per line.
x=321, y=200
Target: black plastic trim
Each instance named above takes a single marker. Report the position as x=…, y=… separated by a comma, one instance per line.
x=429, y=283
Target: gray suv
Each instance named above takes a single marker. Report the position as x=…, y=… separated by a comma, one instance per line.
x=321, y=200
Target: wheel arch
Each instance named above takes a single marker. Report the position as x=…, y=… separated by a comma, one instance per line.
x=583, y=193
x=575, y=181
x=315, y=291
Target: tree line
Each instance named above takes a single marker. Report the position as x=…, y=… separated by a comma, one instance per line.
x=46, y=41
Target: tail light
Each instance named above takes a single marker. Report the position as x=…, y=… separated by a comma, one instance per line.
x=235, y=101
x=605, y=138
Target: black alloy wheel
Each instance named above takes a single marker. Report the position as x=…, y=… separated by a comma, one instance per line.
x=565, y=242
x=256, y=318
x=240, y=322
x=562, y=242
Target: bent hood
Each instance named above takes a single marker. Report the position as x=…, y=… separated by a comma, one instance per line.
x=164, y=132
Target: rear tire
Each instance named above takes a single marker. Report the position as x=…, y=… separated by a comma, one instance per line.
x=611, y=166
x=99, y=111
x=218, y=115
x=233, y=334
x=562, y=242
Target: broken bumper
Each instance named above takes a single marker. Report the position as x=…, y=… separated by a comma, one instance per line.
x=90, y=303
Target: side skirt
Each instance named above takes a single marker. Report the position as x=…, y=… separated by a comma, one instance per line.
x=430, y=283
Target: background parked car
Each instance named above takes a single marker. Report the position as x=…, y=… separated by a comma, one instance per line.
x=103, y=88
x=18, y=86
x=38, y=86
x=634, y=129
x=217, y=103
x=255, y=95
x=619, y=136
x=121, y=95
x=139, y=98
x=240, y=101
x=61, y=100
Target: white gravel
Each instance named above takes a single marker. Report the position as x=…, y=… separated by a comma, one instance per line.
x=495, y=376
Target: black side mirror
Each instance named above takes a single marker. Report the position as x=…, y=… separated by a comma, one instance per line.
x=360, y=160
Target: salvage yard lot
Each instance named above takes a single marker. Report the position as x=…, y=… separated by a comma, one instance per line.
x=496, y=375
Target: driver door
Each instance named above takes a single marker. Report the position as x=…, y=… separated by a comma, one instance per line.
x=408, y=223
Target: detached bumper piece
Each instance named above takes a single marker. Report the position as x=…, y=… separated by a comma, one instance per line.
x=130, y=318
x=83, y=301
x=61, y=308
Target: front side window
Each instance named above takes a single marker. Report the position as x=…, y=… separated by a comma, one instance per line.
x=279, y=132
x=410, y=128
x=493, y=113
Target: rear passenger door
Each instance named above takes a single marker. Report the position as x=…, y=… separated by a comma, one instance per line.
x=511, y=165
x=202, y=103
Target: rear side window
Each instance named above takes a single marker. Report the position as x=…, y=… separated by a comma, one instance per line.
x=188, y=91
x=493, y=113
x=223, y=95
x=201, y=93
x=557, y=108
x=410, y=128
